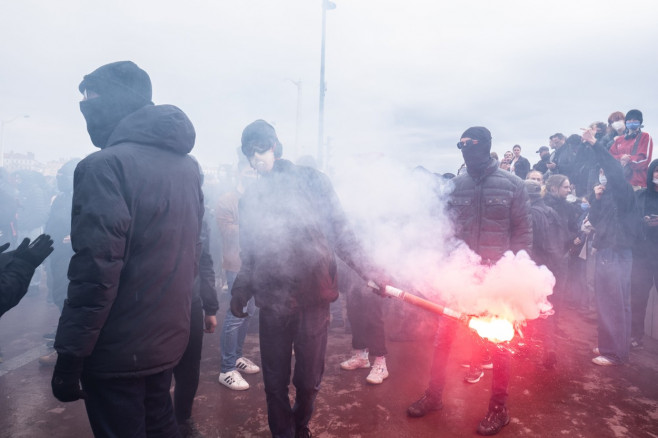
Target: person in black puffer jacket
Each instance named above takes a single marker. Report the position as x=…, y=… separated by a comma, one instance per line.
x=136, y=221
x=490, y=209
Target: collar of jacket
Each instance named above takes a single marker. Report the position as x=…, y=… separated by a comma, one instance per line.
x=479, y=176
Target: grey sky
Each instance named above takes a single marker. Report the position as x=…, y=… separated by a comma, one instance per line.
x=405, y=78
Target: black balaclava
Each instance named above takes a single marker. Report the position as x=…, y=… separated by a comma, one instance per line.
x=477, y=156
x=122, y=89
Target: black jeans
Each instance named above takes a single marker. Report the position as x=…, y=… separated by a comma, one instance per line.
x=130, y=407
x=501, y=364
x=365, y=311
x=305, y=330
x=644, y=276
x=187, y=371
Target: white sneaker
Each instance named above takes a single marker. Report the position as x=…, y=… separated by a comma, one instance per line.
x=358, y=360
x=604, y=361
x=378, y=372
x=246, y=366
x=233, y=380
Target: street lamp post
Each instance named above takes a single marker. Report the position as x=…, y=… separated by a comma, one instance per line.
x=2, y=136
x=326, y=5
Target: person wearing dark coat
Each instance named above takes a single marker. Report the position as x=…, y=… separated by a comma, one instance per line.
x=547, y=250
x=544, y=157
x=136, y=220
x=202, y=319
x=291, y=226
x=520, y=165
x=17, y=268
x=59, y=227
x=490, y=209
x=617, y=221
x=645, y=255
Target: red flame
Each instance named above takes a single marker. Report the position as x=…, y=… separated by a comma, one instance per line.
x=493, y=328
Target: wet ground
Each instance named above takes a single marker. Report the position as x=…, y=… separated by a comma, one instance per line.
x=577, y=399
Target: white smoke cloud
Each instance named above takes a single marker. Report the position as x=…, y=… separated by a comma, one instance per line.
x=400, y=215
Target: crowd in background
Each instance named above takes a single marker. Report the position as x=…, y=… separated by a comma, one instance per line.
x=590, y=193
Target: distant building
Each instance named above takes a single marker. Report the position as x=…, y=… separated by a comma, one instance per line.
x=14, y=161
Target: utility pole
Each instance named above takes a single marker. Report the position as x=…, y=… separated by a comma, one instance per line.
x=326, y=5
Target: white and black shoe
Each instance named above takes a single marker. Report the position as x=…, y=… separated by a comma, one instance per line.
x=233, y=380
x=246, y=366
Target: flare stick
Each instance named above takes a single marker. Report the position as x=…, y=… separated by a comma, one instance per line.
x=422, y=303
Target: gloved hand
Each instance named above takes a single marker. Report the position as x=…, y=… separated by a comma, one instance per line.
x=36, y=252
x=4, y=247
x=379, y=282
x=237, y=307
x=66, y=379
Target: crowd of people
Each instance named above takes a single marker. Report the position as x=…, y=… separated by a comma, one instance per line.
x=134, y=268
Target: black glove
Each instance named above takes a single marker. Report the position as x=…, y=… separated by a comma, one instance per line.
x=36, y=252
x=66, y=379
x=379, y=282
x=4, y=247
x=237, y=307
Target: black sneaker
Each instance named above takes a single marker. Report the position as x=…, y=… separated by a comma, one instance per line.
x=495, y=419
x=424, y=406
x=303, y=432
x=188, y=429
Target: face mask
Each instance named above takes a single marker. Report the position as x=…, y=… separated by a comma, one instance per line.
x=632, y=126
x=546, y=157
x=476, y=157
x=603, y=180
x=104, y=113
x=571, y=198
x=584, y=206
x=619, y=124
x=655, y=181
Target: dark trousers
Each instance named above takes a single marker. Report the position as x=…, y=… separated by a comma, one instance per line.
x=130, y=407
x=186, y=372
x=365, y=311
x=305, y=330
x=644, y=276
x=501, y=358
x=612, y=282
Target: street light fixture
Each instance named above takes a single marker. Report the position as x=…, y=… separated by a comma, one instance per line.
x=326, y=5
x=2, y=135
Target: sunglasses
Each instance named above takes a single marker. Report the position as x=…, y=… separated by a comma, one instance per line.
x=467, y=143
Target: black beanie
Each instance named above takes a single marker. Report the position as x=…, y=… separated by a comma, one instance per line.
x=260, y=133
x=634, y=115
x=122, y=78
x=479, y=133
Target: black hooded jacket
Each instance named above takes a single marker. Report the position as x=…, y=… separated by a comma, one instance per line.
x=291, y=223
x=615, y=216
x=136, y=219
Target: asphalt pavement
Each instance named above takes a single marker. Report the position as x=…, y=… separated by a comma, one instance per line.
x=576, y=399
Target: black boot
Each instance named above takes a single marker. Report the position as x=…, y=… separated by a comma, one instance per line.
x=424, y=406
x=496, y=418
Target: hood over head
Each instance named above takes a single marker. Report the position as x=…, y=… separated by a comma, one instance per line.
x=162, y=126
x=111, y=92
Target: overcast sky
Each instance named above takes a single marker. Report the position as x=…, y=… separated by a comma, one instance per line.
x=403, y=78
